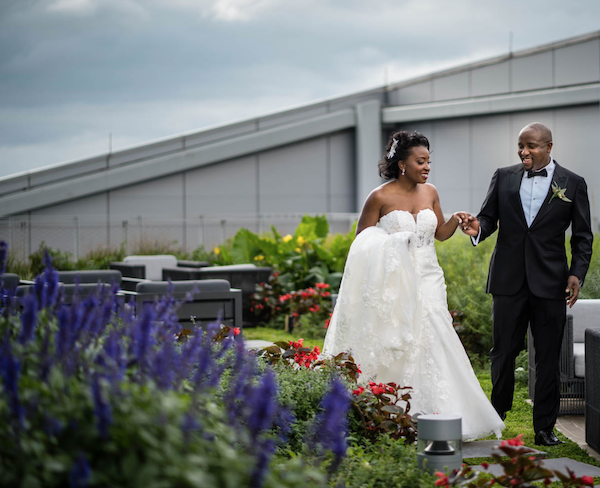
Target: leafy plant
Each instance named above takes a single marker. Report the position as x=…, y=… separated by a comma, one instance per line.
x=520, y=469
x=92, y=394
x=379, y=407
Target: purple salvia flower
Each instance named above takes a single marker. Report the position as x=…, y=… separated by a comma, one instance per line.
x=50, y=282
x=163, y=365
x=189, y=426
x=190, y=352
x=331, y=424
x=265, y=450
x=143, y=335
x=3, y=256
x=11, y=369
x=284, y=418
x=111, y=357
x=262, y=404
x=80, y=472
x=64, y=334
x=243, y=371
x=28, y=318
x=205, y=362
x=102, y=409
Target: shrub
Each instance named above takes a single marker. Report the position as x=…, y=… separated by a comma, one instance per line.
x=386, y=463
x=92, y=394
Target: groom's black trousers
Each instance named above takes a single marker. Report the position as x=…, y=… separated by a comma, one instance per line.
x=547, y=317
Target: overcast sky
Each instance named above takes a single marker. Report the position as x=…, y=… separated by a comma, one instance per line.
x=74, y=71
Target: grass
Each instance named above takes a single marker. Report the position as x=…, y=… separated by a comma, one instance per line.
x=274, y=335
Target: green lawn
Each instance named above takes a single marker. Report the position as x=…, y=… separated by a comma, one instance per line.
x=274, y=335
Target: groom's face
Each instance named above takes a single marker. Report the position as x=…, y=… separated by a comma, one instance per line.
x=534, y=149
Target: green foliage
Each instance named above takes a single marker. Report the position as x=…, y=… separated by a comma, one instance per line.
x=386, y=463
x=466, y=269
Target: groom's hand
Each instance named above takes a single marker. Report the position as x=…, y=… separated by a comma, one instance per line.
x=468, y=224
x=572, y=290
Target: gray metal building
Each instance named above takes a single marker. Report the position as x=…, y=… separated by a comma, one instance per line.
x=200, y=187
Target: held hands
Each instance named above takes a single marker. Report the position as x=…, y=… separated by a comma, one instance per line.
x=572, y=290
x=467, y=223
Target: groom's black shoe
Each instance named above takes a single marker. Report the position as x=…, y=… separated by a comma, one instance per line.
x=502, y=416
x=547, y=438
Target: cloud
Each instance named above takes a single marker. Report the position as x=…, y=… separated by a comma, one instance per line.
x=71, y=71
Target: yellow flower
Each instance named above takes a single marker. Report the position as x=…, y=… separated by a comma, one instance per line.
x=301, y=240
x=217, y=251
x=260, y=257
x=298, y=249
x=287, y=238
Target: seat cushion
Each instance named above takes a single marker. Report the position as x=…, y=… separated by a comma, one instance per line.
x=154, y=264
x=161, y=287
x=586, y=314
x=90, y=276
x=579, y=359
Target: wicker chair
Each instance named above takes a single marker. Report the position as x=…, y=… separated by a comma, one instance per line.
x=584, y=314
x=592, y=388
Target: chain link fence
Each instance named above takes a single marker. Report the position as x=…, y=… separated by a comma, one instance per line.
x=80, y=235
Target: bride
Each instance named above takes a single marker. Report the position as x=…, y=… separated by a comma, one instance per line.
x=391, y=311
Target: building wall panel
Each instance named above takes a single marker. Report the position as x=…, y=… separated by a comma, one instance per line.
x=533, y=72
x=579, y=63
x=451, y=87
x=490, y=80
x=294, y=178
x=342, y=175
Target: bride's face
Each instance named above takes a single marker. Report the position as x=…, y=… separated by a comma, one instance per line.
x=416, y=166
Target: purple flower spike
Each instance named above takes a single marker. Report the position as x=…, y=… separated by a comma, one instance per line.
x=331, y=425
x=3, y=256
x=265, y=450
x=11, y=369
x=80, y=472
x=28, y=318
x=143, y=334
x=102, y=409
x=263, y=404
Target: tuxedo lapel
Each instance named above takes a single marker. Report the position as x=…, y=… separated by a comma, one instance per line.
x=514, y=186
x=561, y=179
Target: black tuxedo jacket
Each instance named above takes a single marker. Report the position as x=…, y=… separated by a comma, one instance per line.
x=536, y=253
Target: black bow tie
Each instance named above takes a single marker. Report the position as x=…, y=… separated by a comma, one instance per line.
x=531, y=173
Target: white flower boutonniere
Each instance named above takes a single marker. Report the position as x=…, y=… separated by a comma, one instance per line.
x=558, y=192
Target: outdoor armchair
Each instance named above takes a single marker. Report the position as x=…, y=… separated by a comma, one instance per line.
x=210, y=300
x=242, y=276
x=592, y=388
x=585, y=314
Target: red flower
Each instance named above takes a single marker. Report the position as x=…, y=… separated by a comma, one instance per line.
x=547, y=481
x=484, y=465
x=514, y=482
x=358, y=391
x=588, y=480
x=443, y=479
x=517, y=441
x=236, y=331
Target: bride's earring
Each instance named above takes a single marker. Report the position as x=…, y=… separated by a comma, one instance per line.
x=403, y=171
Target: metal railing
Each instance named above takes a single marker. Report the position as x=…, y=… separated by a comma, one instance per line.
x=79, y=235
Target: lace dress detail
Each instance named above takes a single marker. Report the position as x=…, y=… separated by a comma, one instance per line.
x=392, y=314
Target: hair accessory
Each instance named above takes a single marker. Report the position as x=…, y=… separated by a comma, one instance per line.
x=403, y=171
x=390, y=154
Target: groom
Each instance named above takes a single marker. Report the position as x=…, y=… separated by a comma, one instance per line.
x=533, y=204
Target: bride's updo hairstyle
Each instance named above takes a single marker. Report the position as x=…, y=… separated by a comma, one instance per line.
x=397, y=149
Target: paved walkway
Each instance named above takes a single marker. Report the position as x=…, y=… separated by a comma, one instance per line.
x=573, y=427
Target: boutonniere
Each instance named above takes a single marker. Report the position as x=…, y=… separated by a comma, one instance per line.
x=558, y=192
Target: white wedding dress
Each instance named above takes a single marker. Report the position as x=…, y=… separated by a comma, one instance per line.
x=392, y=315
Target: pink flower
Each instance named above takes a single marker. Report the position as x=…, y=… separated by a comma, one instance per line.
x=443, y=479
x=236, y=331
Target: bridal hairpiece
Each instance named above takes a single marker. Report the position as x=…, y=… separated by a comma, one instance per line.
x=390, y=155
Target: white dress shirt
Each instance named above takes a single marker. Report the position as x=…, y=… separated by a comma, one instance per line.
x=533, y=191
